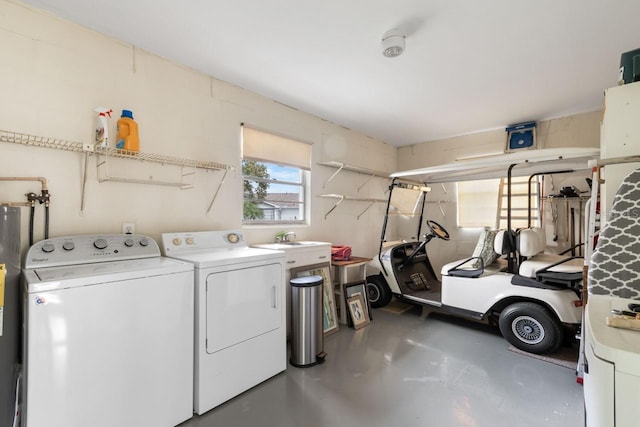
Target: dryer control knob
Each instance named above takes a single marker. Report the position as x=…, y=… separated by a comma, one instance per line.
x=100, y=244
x=48, y=247
x=68, y=246
x=128, y=243
x=144, y=242
x=189, y=240
x=177, y=241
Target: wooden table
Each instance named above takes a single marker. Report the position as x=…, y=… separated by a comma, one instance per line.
x=341, y=273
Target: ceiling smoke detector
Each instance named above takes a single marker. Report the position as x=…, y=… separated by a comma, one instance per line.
x=393, y=43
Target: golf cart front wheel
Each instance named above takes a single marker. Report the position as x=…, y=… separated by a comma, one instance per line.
x=378, y=291
x=530, y=327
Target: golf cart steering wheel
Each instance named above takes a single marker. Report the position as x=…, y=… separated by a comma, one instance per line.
x=438, y=230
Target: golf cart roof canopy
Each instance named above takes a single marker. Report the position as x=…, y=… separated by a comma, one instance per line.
x=546, y=160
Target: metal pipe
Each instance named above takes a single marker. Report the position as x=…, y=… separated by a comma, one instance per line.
x=509, y=171
x=31, y=216
x=424, y=202
x=46, y=221
x=32, y=198
x=43, y=181
x=383, y=233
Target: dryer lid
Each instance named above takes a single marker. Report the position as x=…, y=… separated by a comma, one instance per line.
x=226, y=257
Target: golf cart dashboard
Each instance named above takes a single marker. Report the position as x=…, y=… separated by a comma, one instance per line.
x=400, y=253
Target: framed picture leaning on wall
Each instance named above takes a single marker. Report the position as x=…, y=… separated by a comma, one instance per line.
x=358, y=288
x=357, y=309
x=329, y=314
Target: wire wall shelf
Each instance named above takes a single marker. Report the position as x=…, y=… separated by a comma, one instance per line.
x=61, y=144
x=104, y=154
x=157, y=158
x=40, y=141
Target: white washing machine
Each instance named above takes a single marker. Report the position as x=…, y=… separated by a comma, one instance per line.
x=240, y=332
x=108, y=334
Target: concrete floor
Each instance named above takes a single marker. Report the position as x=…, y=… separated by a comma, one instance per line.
x=407, y=370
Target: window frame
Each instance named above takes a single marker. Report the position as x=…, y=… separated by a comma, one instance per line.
x=303, y=203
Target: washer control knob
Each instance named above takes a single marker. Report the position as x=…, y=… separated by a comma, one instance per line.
x=128, y=243
x=144, y=242
x=177, y=241
x=100, y=243
x=189, y=240
x=68, y=246
x=48, y=247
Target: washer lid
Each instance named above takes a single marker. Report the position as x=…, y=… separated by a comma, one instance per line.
x=54, y=278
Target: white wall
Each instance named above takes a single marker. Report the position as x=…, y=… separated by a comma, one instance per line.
x=582, y=130
x=54, y=73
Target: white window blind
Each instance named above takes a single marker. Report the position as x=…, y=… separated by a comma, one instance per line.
x=478, y=203
x=267, y=147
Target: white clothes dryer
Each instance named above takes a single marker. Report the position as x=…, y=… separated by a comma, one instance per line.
x=108, y=334
x=240, y=332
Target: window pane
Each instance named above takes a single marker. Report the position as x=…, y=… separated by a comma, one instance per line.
x=273, y=193
x=478, y=203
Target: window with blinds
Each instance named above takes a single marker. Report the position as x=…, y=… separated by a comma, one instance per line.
x=275, y=170
x=477, y=203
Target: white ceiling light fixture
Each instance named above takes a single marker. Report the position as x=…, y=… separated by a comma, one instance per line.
x=393, y=43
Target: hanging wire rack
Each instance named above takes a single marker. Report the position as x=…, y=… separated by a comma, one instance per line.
x=61, y=144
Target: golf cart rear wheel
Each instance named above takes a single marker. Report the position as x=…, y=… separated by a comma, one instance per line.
x=530, y=327
x=378, y=291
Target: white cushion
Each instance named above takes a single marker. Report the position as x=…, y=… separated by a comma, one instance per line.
x=531, y=266
x=529, y=243
x=498, y=242
x=542, y=237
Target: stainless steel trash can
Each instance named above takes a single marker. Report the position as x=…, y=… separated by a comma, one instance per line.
x=307, y=340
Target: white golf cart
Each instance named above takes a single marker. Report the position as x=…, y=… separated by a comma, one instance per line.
x=533, y=297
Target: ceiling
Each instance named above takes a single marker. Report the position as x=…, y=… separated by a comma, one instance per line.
x=468, y=66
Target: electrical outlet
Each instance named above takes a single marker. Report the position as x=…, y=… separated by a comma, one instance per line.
x=128, y=228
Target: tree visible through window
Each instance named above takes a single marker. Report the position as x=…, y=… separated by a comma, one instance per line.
x=254, y=192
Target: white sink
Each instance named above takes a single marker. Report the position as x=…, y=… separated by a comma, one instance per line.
x=289, y=245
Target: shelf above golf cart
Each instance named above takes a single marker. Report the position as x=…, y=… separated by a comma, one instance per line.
x=347, y=167
x=342, y=197
x=546, y=160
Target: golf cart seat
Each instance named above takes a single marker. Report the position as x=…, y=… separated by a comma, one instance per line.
x=486, y=258
x=546, y=270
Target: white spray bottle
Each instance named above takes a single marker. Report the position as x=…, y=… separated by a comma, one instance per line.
x=102, y=127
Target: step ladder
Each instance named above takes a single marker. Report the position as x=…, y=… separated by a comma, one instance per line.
x=519, y=203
